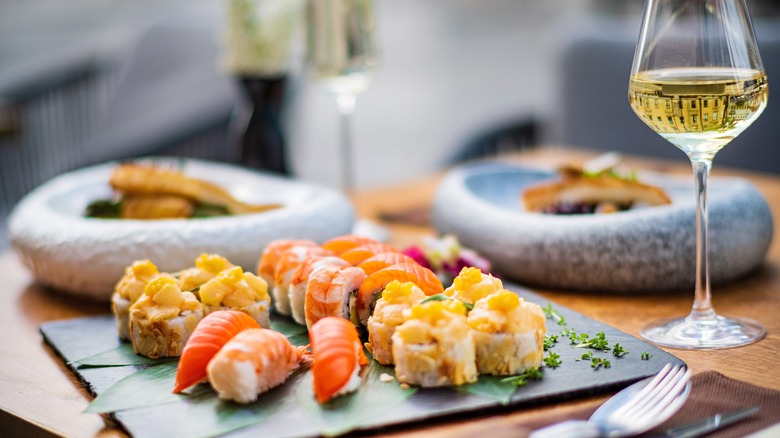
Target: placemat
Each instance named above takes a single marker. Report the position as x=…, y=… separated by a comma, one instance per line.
x=711, y=393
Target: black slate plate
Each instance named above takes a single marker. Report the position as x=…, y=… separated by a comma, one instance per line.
x=79, y=338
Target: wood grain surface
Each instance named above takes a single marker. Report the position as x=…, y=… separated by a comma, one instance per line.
x=40, y=397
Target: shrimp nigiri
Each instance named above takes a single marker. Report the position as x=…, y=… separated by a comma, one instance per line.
x=251, y=363
x=337, y=356
x=213, y=332
x=300, y=281
x=344, y=243
x=372, y=287
x=332, y=291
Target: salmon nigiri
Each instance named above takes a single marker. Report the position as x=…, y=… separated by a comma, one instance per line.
x=213, y=331
x=251, y=363
x=337, y=356
x=358, y=254
x=344, y=243
x=372, y=287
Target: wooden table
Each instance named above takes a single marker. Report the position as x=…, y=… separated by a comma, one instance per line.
x=38, y=395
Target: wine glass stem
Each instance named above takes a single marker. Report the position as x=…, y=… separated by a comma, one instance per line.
x=346, y=106
x=702, y=306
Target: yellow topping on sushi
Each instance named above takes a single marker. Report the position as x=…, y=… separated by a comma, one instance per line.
x=207, y=266
x=212, y=263
x=144, y=269
x=471, y=285
x=163, y=300
x=234, y=288
x=503, y=300
x=131, y=285
x=396, y=292
x=433, y=311
x=505, y=312
x=396, y=298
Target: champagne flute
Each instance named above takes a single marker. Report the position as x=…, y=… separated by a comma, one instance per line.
x=698, y=81
x=342, y=55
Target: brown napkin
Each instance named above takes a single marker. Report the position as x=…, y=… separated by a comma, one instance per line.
x=711, y=393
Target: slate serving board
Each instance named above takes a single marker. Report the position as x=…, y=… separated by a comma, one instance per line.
x=79, y=338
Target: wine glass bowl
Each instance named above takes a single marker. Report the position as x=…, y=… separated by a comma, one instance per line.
x=342, y=56
x=698, y=81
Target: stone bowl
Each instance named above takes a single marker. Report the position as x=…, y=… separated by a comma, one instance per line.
x=649, y=249
x=86, y=256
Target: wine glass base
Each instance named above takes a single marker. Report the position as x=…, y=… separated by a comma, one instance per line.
x=720, y=332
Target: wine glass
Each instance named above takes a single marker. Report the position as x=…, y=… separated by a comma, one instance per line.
x=697, y=80
x=342, y=55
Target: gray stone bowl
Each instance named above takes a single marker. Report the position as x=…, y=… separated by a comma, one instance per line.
x=650, y=249
x=87, y=256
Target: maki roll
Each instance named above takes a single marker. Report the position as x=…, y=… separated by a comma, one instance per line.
x=471, y=285
x=371, y=289
x=433, y=348
x=163, y=318
x=284, y=271
x=508, y=334
x=128, y=290
x=207, y=266
x=388, y=314
x=300, y=282
x=238, y=290
x=331, y=292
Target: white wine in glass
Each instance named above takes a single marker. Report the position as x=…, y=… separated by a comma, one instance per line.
x=698, y=81
x=342, y=55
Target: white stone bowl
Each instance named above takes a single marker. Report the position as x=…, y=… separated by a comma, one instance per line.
x=86, y=256
x=649, y=249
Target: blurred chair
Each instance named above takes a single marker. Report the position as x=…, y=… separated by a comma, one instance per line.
x=171, y=99
x=499, y=139
x=593, y=111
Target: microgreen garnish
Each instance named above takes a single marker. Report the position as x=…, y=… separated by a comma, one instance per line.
x=619, y=351
x=553, y=360
x=554, y=315
x=549, y=341
x=522, y=379
x=599, y=342
x=645, y=355
x=597, y=362
x=442, y=297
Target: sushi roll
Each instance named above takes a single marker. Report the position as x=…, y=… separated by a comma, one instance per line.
x=283, y=273
x=209, y=336
x=371, y=289
x=359, y=254
x=332, y=292
x=341, y=244
x=508, y=334
x=238, y=290
x=388, y=314
x=337, y=358
x=251, y=363
x=300, y=281
x=207, y=266
x=266, y=267
x=471, y=285
x=433, y=348
x=163, y=318
x=383, y=260
x=128, y=290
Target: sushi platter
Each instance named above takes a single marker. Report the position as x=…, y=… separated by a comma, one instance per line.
x=293, y=415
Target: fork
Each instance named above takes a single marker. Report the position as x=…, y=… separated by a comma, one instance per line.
x=632, y=411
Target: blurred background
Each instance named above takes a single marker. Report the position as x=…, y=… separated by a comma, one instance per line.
x=84, y=81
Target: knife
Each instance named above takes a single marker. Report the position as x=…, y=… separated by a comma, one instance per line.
x=710, y=424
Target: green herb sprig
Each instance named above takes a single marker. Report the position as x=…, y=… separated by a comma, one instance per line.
x=522, y=379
